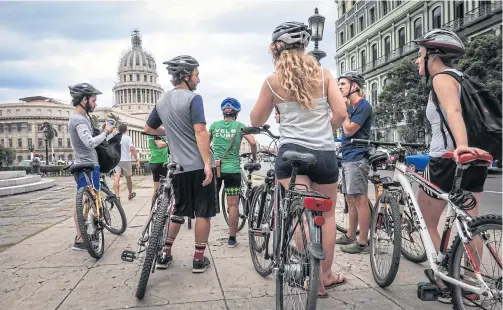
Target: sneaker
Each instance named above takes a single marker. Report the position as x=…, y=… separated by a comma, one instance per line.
x=232, y=243
x=200, y=266
x=344, y=240
x=356, y=248
x=163, y=260
x=78, y=246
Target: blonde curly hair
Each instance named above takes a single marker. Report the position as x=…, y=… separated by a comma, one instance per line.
x=298, y=73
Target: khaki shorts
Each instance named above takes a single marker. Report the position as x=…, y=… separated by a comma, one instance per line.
x=355, y=180
x=124, y=168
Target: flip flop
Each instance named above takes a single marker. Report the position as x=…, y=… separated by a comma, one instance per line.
x=133, y=194
x=337, y=282
x=323, y=295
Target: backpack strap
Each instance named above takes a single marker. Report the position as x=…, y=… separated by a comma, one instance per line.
x=443, y=121
x=231, y=143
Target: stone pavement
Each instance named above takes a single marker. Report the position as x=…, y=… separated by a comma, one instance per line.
x=42, y=272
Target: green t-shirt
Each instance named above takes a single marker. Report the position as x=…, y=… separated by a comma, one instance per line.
x=221, y=133
x=158, y=155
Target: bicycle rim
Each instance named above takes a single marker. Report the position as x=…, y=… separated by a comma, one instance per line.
x=260, y=242
x=112, y=206
x=90, y=230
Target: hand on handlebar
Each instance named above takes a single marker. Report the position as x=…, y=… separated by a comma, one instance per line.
x=466, y=149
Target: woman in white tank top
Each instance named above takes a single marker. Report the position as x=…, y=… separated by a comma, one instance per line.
x=310, y=108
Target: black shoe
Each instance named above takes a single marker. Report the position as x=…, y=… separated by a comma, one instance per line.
x=200, y=266
x=163, y=260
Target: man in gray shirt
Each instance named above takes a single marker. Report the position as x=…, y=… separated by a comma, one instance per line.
x=83, y=143
x=181, y=112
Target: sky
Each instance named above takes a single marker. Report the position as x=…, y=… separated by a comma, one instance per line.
x=47, y=46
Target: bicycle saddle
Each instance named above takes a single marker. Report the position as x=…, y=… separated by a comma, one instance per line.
x=471, y=159
x=82, y=167
x=378, y=157
x=252, y=167
x=297, y=158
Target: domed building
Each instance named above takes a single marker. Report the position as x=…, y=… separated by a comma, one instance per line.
x=136, y=90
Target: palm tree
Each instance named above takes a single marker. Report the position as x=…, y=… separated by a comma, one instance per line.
x=49, y=134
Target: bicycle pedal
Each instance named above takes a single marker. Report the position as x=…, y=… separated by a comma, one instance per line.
x=427, y=291
x=128, y=256
x=178, y=220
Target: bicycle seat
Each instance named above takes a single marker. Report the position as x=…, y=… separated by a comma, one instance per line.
x=82, y=167
x=252, y=167
x=471, y=159
x=378, y=157
x=297, y=158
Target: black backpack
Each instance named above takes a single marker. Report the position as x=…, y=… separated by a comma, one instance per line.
x=481, y=113
x=109, y=152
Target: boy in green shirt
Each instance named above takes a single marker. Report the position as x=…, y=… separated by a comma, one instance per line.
x=158, y=156
x=226, y=148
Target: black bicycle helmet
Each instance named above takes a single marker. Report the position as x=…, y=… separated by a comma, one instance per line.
x=183, y=64
x=443, y=40
x=83, y=89
x=291, y=33
x=353, y=76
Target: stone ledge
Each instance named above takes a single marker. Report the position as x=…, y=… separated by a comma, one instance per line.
x=5, y=175
x=20, y=181
x=26, y=188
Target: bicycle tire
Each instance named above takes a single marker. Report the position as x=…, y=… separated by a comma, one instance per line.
x=242, y=217
x=153, y=246
x=476, y=226
x=118, y=205
x=387, y=279
x=81, y=221
x=189, y=222
x=417, y=258
x=264, y=271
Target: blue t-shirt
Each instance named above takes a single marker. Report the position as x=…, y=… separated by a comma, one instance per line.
x=360, y=113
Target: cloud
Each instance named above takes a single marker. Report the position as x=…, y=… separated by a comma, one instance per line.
x=50, y=45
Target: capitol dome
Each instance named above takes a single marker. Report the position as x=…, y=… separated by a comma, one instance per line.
x=136, y=90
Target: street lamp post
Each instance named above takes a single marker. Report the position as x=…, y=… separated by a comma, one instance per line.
x=317, y=24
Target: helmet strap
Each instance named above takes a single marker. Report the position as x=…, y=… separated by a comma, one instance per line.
x=187, y=83
x=351, y=91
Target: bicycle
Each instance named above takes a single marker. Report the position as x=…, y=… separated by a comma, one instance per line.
x=93, y=213
x=156, y=229
x=245, y=193
x=297, y=265
x=446, y=260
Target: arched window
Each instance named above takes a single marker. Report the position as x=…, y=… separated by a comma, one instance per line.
x=418, y=28
x=387, y=48
x=353, y=63
x=343, y=67
x=373, y=88
x=401, y=40
x=436, y=17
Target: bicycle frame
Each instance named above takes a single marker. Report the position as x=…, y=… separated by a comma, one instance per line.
x=96, y=195
x=402, y=174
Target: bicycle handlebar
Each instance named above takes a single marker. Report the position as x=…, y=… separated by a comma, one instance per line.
x=258, y=130
x=379, y=143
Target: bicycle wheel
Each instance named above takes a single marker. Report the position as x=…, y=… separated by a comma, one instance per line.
x=385, y=227
x=189, y=222
x=298, y=276
x=154, y=245
x=259, y=235
x=225, y=211
x=412, y=245
x=89, y=226
x=484, y=251
x=111, y=206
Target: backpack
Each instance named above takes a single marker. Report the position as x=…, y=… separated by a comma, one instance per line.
x=481, y=112
x=109, y=152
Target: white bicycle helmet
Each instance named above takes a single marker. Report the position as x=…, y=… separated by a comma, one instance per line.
x=443, y=40
x=291, y=33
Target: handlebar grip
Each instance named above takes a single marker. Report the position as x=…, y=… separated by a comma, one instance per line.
x=251, y=130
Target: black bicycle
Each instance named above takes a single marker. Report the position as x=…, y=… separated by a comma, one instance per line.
x=297, y=244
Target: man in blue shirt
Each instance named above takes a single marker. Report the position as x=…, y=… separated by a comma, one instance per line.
x=355, y=164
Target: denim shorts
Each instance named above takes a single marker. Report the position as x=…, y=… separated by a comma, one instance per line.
x=325, y=171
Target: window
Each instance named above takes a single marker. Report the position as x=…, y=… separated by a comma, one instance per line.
x=10, y=142
x=19, y=128
x=8, y=112
x=459, y=13
x=40, y=127
x=145, y=78
x=351, y=31
x=150, y=79
x=68, y=143
x=19, y=142
x=27, y=111
x=138, y=60
x=401, y=40
x=18, y=111
x=353, y=2
x=9, y=128
x=138, y=96
x=343, y=67
x=60, y=142
x=398, y=2
x=60, y=128
x=30, y=141
x=484, y=7
x=353, y=63
x=40, y=143
x=436, y=17
x=384, y=82
x=384, y=7
x=59, y=112
x=1, y=112
x=1, y=128
x=387, y=48
x=130, y=78
x=341, y=38
x=362, y=25
x=138, y=77
x=343, y=7
x=374, y=93
x=418, y=28
x=1, y=142
x=372, y=15
x=29, y=127
x=363, y=59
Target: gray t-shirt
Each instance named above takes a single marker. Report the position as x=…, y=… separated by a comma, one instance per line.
x=178, y=110
x=83, y=143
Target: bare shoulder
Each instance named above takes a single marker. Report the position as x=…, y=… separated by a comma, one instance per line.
x=442, y=81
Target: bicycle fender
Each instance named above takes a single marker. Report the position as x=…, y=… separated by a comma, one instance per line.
x=316, y=250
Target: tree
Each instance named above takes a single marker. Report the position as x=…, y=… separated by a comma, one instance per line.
x=403, y=98
x=49, y=134
x=482, y=61
x=7, y=155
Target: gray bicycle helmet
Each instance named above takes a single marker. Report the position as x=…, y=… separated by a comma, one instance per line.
x=183, y=64
x=353, y=76
x=291, y=33
x=443, y=40
x=83, y=89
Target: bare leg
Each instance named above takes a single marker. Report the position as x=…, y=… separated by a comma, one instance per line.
x=353, y=217
x=362, y=207
x=117, y=179
x=129, y=182
x=233, y=205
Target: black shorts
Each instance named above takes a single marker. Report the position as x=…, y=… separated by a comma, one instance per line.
x=325, y=171
x=192, y=198
x=158, y=170
x=441, y=171
x=232, y=183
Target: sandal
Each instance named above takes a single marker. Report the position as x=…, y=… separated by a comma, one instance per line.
x=337, y=282
x=323, y=295
x=132, y=195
